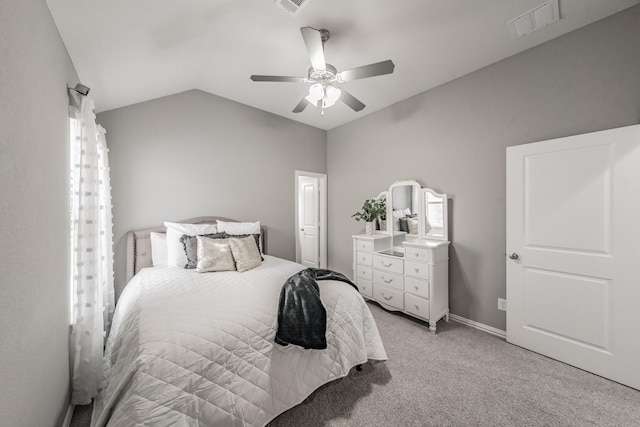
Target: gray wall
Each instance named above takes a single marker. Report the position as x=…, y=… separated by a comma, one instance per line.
x=453, y=138
x=195, y=154
x=34, y=216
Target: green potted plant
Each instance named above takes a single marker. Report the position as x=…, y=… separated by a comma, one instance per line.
x=371, y=210
x=382, y=219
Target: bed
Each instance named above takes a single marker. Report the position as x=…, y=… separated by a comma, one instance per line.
x=197, y=349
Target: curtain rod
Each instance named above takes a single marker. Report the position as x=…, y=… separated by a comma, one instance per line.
x=81, y=89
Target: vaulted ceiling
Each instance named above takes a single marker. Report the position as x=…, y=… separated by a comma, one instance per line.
x=132, y=51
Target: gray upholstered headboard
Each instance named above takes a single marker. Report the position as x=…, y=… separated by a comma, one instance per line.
x=139, y=243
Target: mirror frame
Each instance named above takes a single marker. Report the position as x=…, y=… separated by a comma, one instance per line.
x=445, y=215
x=418, y=188
x=422, y=210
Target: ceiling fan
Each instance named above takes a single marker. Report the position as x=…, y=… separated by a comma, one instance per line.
x=323, y=92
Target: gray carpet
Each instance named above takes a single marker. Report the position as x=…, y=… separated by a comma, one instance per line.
x=459, y=377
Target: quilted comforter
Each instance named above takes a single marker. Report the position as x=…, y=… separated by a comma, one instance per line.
x=192, y=349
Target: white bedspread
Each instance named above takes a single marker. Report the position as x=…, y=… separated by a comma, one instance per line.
x=192, y=349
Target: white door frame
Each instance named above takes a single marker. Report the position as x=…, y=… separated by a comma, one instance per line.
x=322, y=234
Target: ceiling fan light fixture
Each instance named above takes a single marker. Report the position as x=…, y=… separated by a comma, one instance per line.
x=333, y=94
x=316, y=93
x=323, y=76
x=328, y=94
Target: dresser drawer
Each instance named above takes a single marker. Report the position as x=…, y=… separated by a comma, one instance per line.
x=390, y=280
x=388, y=296
x=417, y=287
x=363, y=272
x=364, y=258
x=416, y=306
x=365, y=287
x=364, y=245
x=416, y=254
x=387, y=263
x=417, y=269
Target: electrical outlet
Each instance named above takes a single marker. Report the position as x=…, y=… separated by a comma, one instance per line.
x=502, y=304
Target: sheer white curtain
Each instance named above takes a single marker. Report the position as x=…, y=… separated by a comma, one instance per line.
x=92, y=251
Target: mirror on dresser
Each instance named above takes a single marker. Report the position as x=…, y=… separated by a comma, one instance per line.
x=404, y=207
x=435, y=215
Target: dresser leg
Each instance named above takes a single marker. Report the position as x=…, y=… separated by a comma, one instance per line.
x=432, y=326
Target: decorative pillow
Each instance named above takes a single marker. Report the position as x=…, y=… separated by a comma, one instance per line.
x=158, y=249
x=175, y=252
x=406, y=211
x=255, y=236
x=403, y=224
x=214, y=255
x=235, y=228
x=190, y=246
x=412, y=222
x=245, y=252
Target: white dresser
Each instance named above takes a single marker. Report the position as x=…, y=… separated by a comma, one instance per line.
x=408, y=275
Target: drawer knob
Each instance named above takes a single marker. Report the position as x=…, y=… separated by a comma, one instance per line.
x=417, y=255
x=417, y=308
x=364, y=258
x=417, y=270
x=416, y=287
x=386, y=280
x=385, y=264
x=385, y=297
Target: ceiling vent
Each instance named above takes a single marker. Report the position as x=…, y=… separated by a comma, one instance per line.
x=291, y=6
x=541, y=16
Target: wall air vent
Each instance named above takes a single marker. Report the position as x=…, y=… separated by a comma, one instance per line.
x=291, y=6
x=541, y=16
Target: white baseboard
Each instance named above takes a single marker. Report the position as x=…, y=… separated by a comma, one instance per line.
x=68, y=416
x=485, y=328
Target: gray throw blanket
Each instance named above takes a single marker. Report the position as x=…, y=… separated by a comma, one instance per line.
x=302, y=319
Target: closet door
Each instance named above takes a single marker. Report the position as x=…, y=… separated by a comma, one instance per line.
x=309, y=221
x=573, y=251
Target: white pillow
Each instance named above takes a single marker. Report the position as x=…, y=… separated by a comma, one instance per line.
x=398, y=214
x=175, y=251
x=235, y=228
x=406, y=211
x=158, y=249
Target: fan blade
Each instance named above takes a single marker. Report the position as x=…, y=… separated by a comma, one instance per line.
x=371, y=70
x=301, y=105
x=313, y=41
x=351, y=101
x=257, y=78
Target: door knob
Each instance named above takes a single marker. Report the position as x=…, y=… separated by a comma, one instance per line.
x=514, y=256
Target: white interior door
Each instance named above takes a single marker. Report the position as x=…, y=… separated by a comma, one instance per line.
x=309, y=221
x=573, y=236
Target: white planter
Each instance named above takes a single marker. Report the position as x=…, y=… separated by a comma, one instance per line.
x=370, y=227
x=383, y=224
